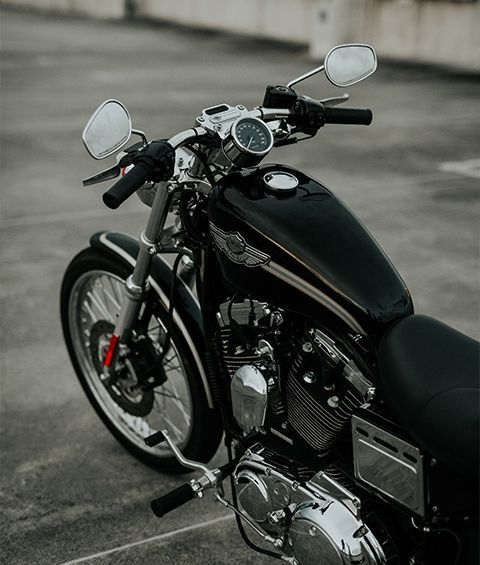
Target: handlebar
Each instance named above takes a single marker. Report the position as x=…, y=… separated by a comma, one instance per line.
x=353, y=116
x=156, y=161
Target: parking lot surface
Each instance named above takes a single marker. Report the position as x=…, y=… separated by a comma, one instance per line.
x=69, y=491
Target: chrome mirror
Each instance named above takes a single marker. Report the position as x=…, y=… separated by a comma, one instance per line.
x=107, y=130
x=348, y=64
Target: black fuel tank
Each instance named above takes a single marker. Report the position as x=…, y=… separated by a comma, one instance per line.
x=303, y=250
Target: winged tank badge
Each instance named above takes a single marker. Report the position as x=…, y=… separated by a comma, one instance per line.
x=235, y=247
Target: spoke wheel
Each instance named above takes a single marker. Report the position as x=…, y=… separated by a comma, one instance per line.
x=92, y=296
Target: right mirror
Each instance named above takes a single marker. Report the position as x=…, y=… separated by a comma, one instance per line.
x=347, y=64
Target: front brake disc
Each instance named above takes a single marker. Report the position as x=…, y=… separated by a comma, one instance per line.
x=126, y=385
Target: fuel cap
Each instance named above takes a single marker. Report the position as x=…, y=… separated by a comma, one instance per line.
x=280, y=182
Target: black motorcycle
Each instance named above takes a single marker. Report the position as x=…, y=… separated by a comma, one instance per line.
x=351, y=424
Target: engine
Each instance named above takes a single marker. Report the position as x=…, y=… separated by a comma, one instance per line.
x=280, y=373
x=284, y=373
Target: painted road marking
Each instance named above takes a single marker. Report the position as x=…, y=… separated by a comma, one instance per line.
x=160, y=537
x=468, y=168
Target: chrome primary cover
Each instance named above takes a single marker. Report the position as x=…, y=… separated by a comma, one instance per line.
x=326, y=525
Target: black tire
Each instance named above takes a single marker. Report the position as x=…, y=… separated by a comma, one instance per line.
x=205, y=428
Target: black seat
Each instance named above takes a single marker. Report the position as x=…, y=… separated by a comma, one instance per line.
x=430, y=375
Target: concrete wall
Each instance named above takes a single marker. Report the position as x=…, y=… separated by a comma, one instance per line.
x=446, y=33
x=432, y=31
x=108, y=9
x=289, y=20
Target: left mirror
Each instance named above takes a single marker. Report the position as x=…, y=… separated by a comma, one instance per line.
x=108, y=129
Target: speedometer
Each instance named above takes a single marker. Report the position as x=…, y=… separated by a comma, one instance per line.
x=249, y=141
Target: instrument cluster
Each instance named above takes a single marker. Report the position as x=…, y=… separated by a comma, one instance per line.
x=246, y=140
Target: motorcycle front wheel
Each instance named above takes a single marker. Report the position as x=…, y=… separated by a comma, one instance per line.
x=91, y=299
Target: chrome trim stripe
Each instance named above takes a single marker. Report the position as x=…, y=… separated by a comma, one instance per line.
x=176, y=316
x=305, y=287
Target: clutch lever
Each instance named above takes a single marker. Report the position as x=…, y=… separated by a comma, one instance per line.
x=124, y=158
x=335, y=101
x=107, y=174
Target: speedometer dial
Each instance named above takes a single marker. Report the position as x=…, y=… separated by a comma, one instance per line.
x=253, y=135
x=249, y=141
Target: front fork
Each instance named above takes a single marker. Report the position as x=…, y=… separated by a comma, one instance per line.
x=137, y=285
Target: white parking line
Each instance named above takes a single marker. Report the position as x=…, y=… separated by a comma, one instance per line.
x=163, y=536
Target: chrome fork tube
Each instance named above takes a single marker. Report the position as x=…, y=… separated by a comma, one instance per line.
x=137, y=284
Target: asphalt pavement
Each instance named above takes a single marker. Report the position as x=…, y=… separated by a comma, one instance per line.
x=69, y=492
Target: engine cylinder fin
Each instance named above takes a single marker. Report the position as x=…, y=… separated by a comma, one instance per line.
x=320, y=424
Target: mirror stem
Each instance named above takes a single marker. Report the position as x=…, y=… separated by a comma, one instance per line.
x=306, y=75
x=141, y=134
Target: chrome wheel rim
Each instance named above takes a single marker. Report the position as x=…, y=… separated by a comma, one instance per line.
x=97, y=296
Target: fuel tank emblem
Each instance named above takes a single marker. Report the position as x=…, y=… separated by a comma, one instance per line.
x=235, y=247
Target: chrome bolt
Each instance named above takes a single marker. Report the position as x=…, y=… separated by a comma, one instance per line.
x=333, y=401
x=268, y=471
x=433, y=462
x=284, y=425
x=217, y=127
x=295, y=485
x=435, y=509
x=313, y=531
x=200, y=119
x=241, y=107
x=309, y=378
x=307, y=347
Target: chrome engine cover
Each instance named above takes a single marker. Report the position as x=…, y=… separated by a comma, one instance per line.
x=249, y=397
x=318, y=520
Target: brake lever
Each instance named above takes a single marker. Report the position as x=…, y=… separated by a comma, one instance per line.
x=335, y=101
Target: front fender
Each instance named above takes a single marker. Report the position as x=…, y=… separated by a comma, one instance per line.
x=187, y=314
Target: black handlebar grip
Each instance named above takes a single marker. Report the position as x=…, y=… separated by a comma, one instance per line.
x=172, y=500
x=354, y=116
x=125, y=187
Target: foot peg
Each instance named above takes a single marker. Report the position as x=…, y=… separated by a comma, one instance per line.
x=174, y=499
x=154, y=439
x=209, y=479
